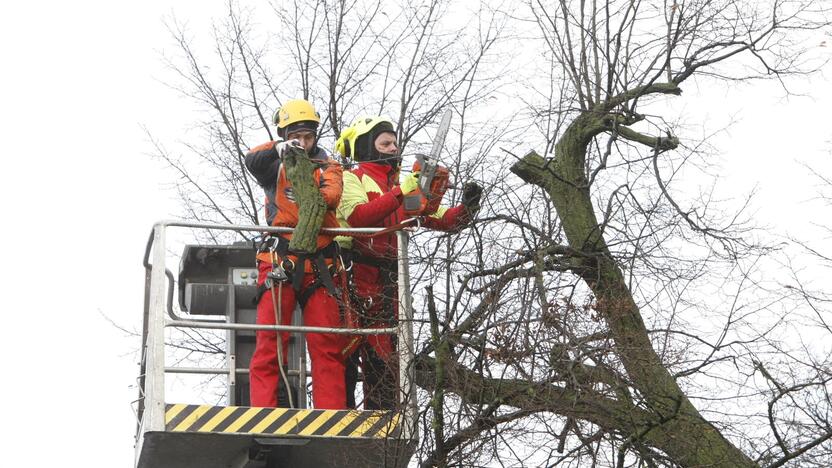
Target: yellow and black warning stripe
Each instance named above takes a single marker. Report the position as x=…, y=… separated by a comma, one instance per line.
x=282, y=421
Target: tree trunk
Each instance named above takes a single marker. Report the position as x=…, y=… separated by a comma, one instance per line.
x=678, y=430
x=311, y=204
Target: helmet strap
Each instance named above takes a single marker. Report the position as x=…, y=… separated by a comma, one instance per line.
x=393, y=160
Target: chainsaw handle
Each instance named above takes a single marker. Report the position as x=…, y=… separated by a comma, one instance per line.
x=414, y=203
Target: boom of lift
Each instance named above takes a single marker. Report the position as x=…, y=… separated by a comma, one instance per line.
x=216, y=286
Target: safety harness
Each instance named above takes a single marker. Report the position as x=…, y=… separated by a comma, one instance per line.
x=376, y=369
x=355, y=310
x=388, y=272
x=284, y=268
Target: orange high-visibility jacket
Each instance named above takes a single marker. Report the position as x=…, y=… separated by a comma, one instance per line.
x=281, y=207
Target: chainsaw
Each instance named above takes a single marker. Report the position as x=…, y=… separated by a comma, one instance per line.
x=433, y=178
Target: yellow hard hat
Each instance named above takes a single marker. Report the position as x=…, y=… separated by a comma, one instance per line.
x=296, y=114
x=356, y=141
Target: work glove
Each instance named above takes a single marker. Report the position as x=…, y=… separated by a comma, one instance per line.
x=410, y=183
x=283, y=147
x=471, y=194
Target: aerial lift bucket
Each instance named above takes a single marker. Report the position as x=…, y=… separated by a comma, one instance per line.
x=216, y=284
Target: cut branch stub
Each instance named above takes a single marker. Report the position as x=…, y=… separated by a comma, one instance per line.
x=311, y=204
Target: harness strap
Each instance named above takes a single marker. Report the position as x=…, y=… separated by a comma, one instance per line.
x=297, y=276
x=295, y=270
x=304, y=295
x=325, y=276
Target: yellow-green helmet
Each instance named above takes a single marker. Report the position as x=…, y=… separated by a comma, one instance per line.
x=294, y=115
x=357, y=141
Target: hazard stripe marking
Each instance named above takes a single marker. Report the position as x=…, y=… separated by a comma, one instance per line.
x=364, y=427
x=381, y=422
x=342, y=423
x=234, y=420
x=390, y=424
x=258, y=416
x=176, y=415
x=217, y=419
x=282, y=421
x=191, y=418
x=288, y=414
x=331, y=422
x=207, y=417
x=270, y=417
x=310, y=419
x=172, y=413
x=237, y=425
x=314, y=425
x=360, y=418
x=395, y=430
x=291, y=423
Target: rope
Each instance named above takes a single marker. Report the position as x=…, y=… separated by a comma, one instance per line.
x=278, y=315
x=396, y=227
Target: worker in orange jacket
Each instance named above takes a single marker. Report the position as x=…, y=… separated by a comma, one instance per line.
x=306, y=279
x=373, y=197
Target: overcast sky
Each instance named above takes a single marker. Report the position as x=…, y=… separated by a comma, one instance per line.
x=79, y=196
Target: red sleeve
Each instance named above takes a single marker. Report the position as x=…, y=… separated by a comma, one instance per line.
x=372, y=213
x=453, y=219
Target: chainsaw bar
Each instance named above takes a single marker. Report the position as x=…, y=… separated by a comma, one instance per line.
x=429, y=166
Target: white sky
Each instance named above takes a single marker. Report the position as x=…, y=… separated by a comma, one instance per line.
x=79, y=197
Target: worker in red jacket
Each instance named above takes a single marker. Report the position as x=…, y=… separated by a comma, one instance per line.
x=372, y=197
x=293, y=277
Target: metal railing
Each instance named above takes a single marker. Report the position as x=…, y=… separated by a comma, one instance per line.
x=159, y=314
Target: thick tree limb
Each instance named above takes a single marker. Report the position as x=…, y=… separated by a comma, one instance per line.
x=616, y=305
x=630, y=94
x=311, y=204
x=670, y=433
x=662, y=143
x=533, y=396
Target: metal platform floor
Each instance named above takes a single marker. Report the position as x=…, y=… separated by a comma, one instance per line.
x=198, y=436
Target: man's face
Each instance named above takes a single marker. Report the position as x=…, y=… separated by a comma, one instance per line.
x=305, y=137
x=386, y=143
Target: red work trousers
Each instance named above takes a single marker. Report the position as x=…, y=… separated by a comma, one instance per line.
x=378, y=358
x=325, y=350
x=368, y=284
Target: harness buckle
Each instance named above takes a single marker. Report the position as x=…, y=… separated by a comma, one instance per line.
x=288, y=265
x=269, y=244
x=277, y=274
